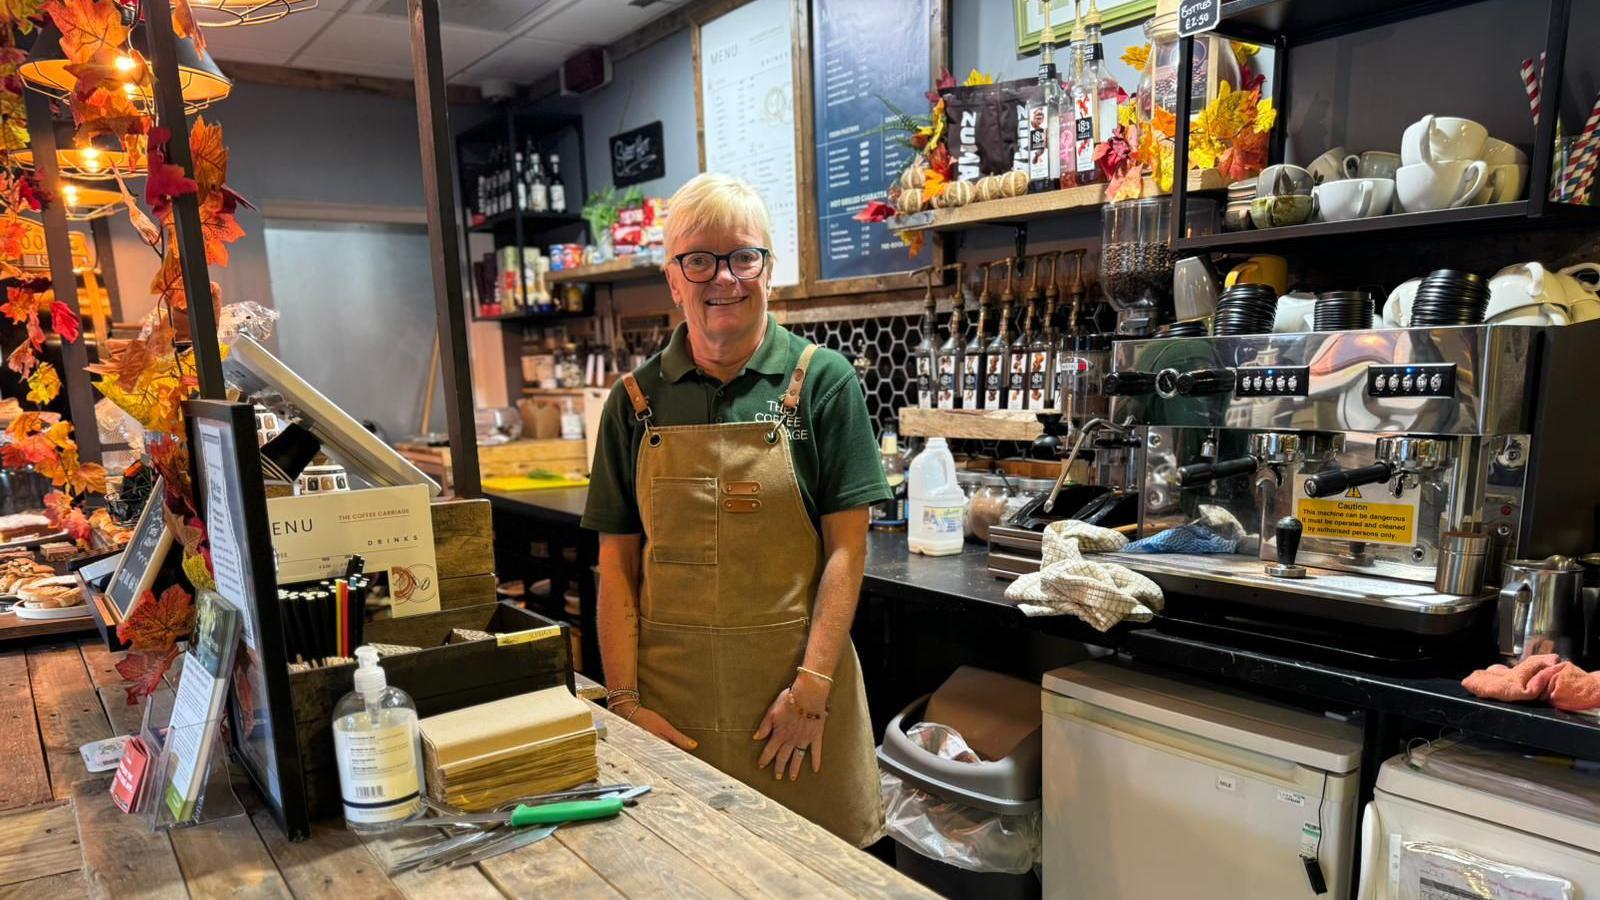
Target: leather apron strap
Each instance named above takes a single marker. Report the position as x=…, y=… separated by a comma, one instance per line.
x=641, y=403
x=791, y=397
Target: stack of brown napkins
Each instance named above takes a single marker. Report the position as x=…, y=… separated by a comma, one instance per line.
x=485, y=755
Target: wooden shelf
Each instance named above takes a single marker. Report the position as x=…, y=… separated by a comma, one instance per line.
x=615, y=270
x=1429, y=224
x=982, y=425
x=535, y=316
x=1032, y=206
x=552, y=392
x=504, y=224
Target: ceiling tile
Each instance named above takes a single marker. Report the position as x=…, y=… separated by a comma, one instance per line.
x=583, y=22
x=286, y=35
x=246, y=55
x=385, y=40
x=353, y=66
x=523, y=60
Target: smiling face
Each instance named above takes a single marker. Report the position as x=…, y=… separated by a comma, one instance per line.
x=726, y=310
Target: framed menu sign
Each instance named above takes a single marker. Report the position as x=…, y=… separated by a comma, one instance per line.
x=232, y=501
x=638, y=155
x=142, y=558
x=745, y=100
x=855, y=73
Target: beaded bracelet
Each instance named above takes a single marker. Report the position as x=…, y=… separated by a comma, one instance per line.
x=828, y=708
x=621, y=695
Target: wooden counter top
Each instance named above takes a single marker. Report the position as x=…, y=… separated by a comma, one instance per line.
x=698, y=833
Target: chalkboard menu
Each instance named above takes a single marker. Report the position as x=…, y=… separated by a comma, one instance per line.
x=861, y=52
x=143, y=557
x=638, y=156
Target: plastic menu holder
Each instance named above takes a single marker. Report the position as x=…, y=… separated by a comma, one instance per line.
x=213, y=797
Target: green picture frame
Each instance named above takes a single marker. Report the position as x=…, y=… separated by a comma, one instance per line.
x=1029, y=18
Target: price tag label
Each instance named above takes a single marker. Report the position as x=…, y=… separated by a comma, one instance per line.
x=1198, y=16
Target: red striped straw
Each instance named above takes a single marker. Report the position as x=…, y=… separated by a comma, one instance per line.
x=1530, y=83
x=1583, y=170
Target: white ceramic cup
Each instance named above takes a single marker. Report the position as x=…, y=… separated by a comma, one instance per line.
x=1523, y=285
x=1576, y=288
x=1353, y=198
x=1397, y=309
x=1294, y=314
x=1499, y=153
x=1443, y=185
x=1533, y=314
x=1371, y=164
x=1504, y=184
x=1442, y=139
x=1330, y=166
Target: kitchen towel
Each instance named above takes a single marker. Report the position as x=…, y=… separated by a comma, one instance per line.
x=1216, y=531
x=1102, y=594
x=1544, y=677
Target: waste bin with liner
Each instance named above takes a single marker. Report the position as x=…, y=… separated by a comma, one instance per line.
x=967, y=826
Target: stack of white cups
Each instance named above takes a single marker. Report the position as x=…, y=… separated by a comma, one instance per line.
x=1449, y=162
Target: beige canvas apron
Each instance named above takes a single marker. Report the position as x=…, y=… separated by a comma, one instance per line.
x=730, y=571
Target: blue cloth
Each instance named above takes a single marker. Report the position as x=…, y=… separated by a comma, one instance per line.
x=1191, y=538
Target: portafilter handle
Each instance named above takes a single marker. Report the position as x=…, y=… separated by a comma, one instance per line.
x=1333, y=481
x=1202, y=473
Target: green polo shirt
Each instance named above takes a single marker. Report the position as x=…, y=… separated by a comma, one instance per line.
x=831, y=439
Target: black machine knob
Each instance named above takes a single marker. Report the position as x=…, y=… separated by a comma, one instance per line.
x=1128, y=384
x=1324, y=484
x=1206, y=381
x=1289, y=531
x=1201, y=473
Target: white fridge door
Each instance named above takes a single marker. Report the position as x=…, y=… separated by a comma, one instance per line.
x=1138, y=811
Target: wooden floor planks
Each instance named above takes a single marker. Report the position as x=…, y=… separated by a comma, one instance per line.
x=37, y=843
x=68, y=710
x=24, y=774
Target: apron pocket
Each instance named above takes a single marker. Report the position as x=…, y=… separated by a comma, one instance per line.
x=683, y=520
x=678, y=673
x=754, y=663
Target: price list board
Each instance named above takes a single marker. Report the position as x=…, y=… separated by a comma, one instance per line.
x=864, y=53
x=747, y=108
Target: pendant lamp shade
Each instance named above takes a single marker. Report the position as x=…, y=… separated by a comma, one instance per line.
x=228, y=13
x=99, y=160
x=203, y=83
x=84, y=202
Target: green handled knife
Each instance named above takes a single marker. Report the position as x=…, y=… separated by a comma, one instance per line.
x=523, y=815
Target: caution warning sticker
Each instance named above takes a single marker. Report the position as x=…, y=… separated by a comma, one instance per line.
x=1371, y=514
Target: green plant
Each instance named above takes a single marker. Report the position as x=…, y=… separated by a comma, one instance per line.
x=600, y=211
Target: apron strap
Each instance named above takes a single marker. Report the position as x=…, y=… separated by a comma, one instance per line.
x=641, y=403
x=791, y=397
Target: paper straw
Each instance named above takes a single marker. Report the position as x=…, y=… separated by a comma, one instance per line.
x=1583, y=172
x=1530, y=83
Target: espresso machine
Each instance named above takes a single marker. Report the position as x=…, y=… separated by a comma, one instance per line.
x=1349, y=468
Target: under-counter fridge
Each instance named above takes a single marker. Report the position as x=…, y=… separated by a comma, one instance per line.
x=1156, y=789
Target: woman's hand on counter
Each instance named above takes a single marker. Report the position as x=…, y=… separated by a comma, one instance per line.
x=791, y=736
x=653, y=722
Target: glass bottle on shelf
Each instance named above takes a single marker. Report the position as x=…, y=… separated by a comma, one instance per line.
x=950, y=353
x=1017, y=367
x=972, y=356
x=927, y=352
x=1106, y=89
x=996, y=374
x=521, y=194
x=1041, y=348
x=1085, y=102
x=558, y=191
x=538, y=189
x=1044, y=127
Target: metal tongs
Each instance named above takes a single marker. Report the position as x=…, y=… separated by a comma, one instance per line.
x=514, y=824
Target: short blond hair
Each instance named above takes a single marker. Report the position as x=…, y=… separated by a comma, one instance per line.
x=714, y=201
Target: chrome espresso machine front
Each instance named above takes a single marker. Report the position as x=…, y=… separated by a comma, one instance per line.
x=1341, y=463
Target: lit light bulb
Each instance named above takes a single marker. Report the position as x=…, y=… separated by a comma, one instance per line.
x=130, y=88
x=71, y=192
x=90, y=158
x=125, y=63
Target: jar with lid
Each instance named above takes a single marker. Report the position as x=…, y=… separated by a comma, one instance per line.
x=988, y=505
x=1213, y=64
x=1136, y=258
x=569, y=369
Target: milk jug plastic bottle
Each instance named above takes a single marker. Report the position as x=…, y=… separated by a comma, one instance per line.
x=937, y=505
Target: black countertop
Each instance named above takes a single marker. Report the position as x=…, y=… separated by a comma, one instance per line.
x=559, y=506
x=892, y=571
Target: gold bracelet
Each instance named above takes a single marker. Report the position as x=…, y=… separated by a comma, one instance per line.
x=632, y=712
x=816, y=673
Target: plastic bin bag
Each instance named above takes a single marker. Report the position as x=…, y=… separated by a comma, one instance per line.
x=1566, y=786
x=965, y=837
x=1435, y=872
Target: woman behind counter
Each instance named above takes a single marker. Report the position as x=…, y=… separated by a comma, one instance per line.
x=730, y=486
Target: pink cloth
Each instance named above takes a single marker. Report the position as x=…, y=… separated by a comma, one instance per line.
x=1544, y=677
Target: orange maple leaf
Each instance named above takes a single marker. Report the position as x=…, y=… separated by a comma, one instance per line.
x=158, y=622
x=168, y=283
x=219, y=227
x=1165, y=122
x=210, y=157
x=184, y=25
x=87, y=26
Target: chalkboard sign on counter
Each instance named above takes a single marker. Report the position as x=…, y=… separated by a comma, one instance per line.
x=638, y=155
x=142, y=558
x=856, y=66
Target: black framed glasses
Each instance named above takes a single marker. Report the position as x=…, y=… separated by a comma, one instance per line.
x=745, y=263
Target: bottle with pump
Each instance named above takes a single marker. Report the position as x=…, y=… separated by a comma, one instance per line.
x=972, y=356
x=1017, y=367
x=1044, y=124
x=927, y=352
x=950, y=362
x=1085, y=106
x=1106, y=89
x=936, y=506
x=379, y=750
x=1041, y=347
x=996, y=357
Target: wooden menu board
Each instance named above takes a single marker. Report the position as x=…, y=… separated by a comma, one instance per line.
x=745, y=100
